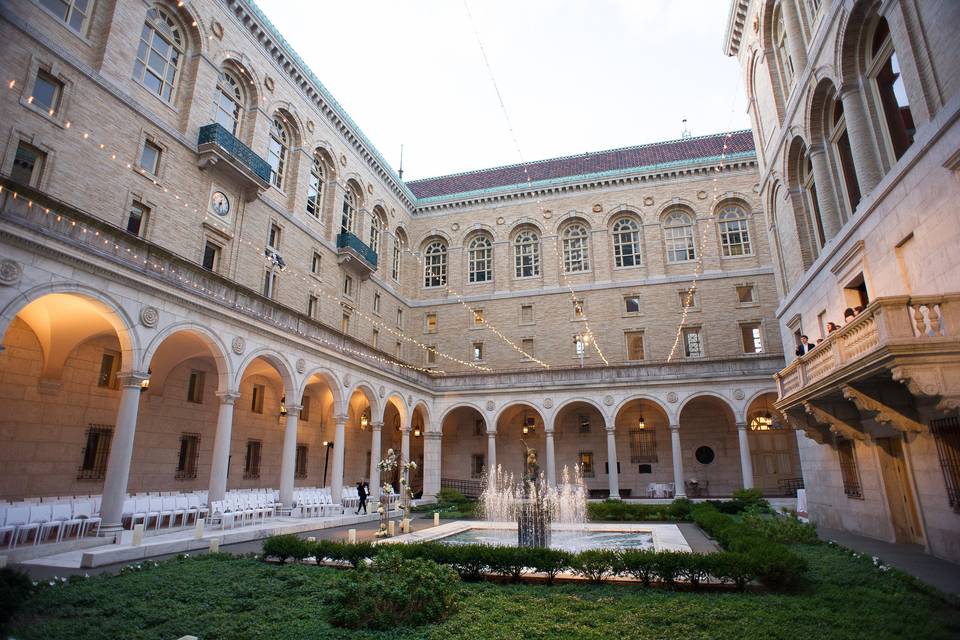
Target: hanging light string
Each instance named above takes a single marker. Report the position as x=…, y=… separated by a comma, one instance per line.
x=587, y=336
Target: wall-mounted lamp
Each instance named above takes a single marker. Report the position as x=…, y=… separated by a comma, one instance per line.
x=283, y=406
x=416, y=432
x=145, y=384
x=364, y=421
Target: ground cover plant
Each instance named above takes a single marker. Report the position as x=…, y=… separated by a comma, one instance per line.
x=451, y=504
x=220, y=596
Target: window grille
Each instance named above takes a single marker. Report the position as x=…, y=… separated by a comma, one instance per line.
x=946, y=433
x=301, y=466
x=643, y=445
x=189, y=458
x=251, y=467
x=848, y=468
x=95, y=454
x=476, y=465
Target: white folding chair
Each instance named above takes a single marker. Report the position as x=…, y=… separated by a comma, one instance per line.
x=62, y=512
x=155, y=510
x=83, y=510
x=5, y=527
x=19, y=517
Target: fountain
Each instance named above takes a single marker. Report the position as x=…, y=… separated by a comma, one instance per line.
x=532, y=503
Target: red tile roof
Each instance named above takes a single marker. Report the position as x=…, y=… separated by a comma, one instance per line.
x=588, y=163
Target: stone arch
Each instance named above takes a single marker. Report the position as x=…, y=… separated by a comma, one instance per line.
x=241, y=65
x=677, y=204
x=211, y=340
x=369, y=393
x=435, y=234
x=276, y=360
x=706, y=394
x=569, y=401
x=289, y=117
x=328, y=377
x=460, y=405
x=514, y=403
x=753, y=398
x=623, y=211
x=478, y=228
x=817, y=121
x=651, y=399
x=110, y=310
x=737, y=199
x=519, y=225
x=852, y=31
x=395, y=399
x=421, y=405
x=573, y=214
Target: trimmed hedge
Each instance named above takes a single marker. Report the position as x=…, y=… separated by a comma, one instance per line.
x=679, y=510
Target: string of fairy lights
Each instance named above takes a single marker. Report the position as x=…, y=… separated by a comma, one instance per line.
x=586, y=336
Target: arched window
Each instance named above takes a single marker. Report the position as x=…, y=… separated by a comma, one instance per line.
x=678, y=235
x=734, y=232
x=626, y=243
x=480, y=259
x=348, y=213
x=526, y=253
x=315, y=187
x=809, y=186
x=435, y=264
x=277, y=153
x=228, y=103
x=158, y=56
x=884, y=71
x=576, y=253
x=398, y=243
x=844, y=155
x=376, y=230
x=784, y=62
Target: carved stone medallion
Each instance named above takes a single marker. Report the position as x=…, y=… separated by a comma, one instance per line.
x=301, y=365
x=608, y=400
x=671, y=397
x=738, y=394
x=490, y=405
x=149, y=316
x=239, y=345
x=548, y=403
x=10, y=272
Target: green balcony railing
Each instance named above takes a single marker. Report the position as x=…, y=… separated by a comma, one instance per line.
x=347, y=240
x=217, y=135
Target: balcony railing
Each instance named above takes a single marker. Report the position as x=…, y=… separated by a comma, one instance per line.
x=349, y=242
x=888, y=328
x=214, y=138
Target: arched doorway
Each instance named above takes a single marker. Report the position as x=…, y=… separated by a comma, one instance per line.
x=464, y=450
x=774, y=454
x=711, y=449
x=580, y=440
x=645, y=450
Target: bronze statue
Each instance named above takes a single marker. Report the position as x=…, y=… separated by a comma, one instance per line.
x=532, y=468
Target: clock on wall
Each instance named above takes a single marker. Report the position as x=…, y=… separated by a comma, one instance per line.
x=220, y=203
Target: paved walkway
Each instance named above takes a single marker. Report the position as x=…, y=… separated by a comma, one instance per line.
x=909, y=558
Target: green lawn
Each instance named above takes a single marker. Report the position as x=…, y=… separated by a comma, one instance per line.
x=228, y=597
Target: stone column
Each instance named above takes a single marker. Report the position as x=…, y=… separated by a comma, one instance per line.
x=746, y=465
x=551, y=460
x=432, y=441
x=612, y=476
x=865, y=160
x=826, y=196
x=288, y=463
x=795, y=41
x=405, y=444
x=221, y=446
x=339, y=442
x=376, y=430
x=491, y=454
x=679, y=488
x=121, y=453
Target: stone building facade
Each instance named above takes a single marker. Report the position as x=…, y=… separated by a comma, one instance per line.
x=854, y=107
x=212, y=279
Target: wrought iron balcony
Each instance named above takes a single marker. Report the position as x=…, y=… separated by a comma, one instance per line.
x=354, y=254
x=216, y=144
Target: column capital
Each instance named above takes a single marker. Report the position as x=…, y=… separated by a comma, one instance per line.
x=847, y=89
x=610, y=429
x=491, y=433
x=404, y=428
x=675, y=427
x=293, y=409
x=742, y=426
x=228, y=397
x=549, y=432
x=432, y=435
x=341, y=419
x=376, y=426
x=816, y=148
x=132, y=378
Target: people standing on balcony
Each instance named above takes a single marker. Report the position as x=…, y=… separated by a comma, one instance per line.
x=831, y=327
x=848, y=315
x=804, y=346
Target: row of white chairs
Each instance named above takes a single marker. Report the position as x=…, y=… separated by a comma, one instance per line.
x=243, y=507
x=350, y=497
x=156, y=510
x=45, y=519
x=315, y=502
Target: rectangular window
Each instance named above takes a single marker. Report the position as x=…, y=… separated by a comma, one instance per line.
x=848, y=468
x=313, y=306
x=585, y=460
x=150, y=158
x=375, y=339
x=430, y=323
x=137, y=219
x=822, y=323
x=109, y=366
x=399, y=317
x=93, y=465
x=631, y=304
x=478, y=352
x=256, y=402
x=305, y=408
x=692, y=342
x=27, y=165
x=643, y=445
x=211, y=256
x=46, y=92
x=195, y=387
x=251, y=464
x=398, y=349
x=526, y=314
x=579, y=346
x=431, y=354
x=273, y=237
x=479, y=428
x=946, y=433
x=316, y=264
x=301, y=466
x=348, y=286
x=746, y=294
x=578, y=309
x=527, y=345
x=269, y=283
x=345, y=322
x=688, y=299
x=751, y=337
x=476, y=465
x=376, y=302
x=583, y=424
x=189, y=458
x=477, y=317
x=634, y=345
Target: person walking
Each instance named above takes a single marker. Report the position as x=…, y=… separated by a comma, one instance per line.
x=362, y=493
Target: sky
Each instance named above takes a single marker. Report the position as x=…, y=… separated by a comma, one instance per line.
x=574, y=76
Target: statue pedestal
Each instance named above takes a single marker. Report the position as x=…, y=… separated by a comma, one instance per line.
x=533, y=523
